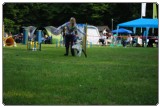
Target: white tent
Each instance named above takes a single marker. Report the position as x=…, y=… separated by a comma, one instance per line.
x=92, y=34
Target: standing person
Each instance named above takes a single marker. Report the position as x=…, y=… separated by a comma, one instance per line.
x=70, y=36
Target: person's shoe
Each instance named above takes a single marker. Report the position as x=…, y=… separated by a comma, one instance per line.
x=65, y=54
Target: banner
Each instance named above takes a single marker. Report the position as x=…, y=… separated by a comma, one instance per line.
x=154, y=10
x=154, y=14
x=143, y=9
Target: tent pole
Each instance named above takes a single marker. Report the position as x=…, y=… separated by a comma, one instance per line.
x=152, y=31
x=117, y=30
x=134, y=30
x=147, y=30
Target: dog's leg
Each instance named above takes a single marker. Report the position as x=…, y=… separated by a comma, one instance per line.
x=79, y=51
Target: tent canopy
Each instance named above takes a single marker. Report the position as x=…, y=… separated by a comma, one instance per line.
x=122, y=30
x=141, y=22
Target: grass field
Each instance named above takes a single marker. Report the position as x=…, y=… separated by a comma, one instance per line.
x=109, y=76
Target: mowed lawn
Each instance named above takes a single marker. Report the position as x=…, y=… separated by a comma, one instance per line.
x=108, y=76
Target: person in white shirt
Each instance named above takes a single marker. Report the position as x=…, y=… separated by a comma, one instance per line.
x=104, y=32
x=102, y=39
x=129, y=40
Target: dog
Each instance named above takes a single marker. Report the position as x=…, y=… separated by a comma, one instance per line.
x=78, y=46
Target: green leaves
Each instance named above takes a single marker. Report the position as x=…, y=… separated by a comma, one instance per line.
x=9, y=24
x=55, y=14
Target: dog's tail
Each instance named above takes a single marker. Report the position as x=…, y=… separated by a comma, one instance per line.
x=84, y=53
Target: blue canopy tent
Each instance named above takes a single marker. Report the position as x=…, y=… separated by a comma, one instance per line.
x=122, y=30
x=140, y=23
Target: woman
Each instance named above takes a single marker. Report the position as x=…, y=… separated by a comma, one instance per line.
x=70, y=36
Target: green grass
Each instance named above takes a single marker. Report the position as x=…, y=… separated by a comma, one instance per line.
x=109, y=76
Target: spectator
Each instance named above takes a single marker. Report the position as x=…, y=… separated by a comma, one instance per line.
x=128, y=41
x=102, y=40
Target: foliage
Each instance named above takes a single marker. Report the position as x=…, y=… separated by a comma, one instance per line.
x=9, y=24
x=55, y=14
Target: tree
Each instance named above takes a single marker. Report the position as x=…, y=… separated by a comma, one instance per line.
x=55, y=14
